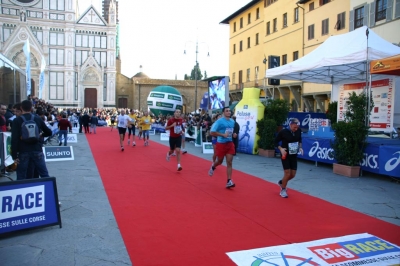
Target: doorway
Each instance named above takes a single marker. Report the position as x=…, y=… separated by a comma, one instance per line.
x=91, y=97
x=122, y=103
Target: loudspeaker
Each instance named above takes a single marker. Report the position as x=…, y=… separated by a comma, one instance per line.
x=273, y=61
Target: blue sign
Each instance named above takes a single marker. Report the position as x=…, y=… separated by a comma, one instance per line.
x=389, y=160
x=304, y=118
x=28, y=204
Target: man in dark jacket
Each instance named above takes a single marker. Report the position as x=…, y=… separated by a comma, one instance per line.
x=27, y=154
x=85, y=122
x=236, y=130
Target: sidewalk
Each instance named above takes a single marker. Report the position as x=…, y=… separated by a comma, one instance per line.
x=90, y=235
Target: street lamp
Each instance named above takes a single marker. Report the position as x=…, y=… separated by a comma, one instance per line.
x=196, y=69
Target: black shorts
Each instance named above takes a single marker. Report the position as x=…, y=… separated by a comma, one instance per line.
x=122, y=130
x=175, y=142
x=290, y=162
x=112, y=122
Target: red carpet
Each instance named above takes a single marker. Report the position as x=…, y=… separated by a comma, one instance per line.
x=189, y=218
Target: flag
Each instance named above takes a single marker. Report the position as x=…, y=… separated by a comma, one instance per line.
x=41, y=78
x=27, y=52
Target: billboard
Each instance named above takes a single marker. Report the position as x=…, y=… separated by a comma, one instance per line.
x=218, y=93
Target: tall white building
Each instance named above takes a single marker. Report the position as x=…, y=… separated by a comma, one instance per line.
x=79, y=49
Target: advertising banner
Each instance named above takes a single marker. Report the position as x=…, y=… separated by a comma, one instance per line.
x=359, y=249
x=383, y=94
x=389, y=160
x=318, y=150
x=58, y=153
x=248, y=111
x=71, y=138
x=8, y=160
x=28, y=204
x=304, y=118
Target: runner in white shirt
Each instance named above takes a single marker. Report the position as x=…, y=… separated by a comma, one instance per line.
x=123, y=123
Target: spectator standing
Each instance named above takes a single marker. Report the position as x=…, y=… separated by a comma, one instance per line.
x=25, y=153
x=3, y=110
x=93, y=124
x=236, y=130
x=63, y=126
x=85, y=122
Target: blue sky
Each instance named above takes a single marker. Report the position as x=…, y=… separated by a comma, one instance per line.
x=155, y=34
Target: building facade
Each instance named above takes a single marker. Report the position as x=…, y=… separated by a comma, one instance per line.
x=291, y=29
x=80, y=50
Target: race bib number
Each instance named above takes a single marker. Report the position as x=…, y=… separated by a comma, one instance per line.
x=121, y=124
x=177, y=129
x=293, y=148
x=230, y=132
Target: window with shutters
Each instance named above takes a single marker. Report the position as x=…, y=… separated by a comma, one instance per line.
x=234, y=49
x=268, y=28
x=234, y=77
x=311, y=6
x=248, y=75
x=295, y=55
x=325, y=26
x=268, y=2
x=257, y=13
x=296, y=15
x=323, y=2
x=257, y=41
x=249, y=18
x=311, y=32
x=275, y=25
x=341, y=21
x=241, y=46
x=284, y=59
x=285, y=20
x=234, y=26
x=380, y=12
x=248, y=42
x=241, y=23
x=358, y=17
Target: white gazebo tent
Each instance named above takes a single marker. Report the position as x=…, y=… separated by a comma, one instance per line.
x=339, y=60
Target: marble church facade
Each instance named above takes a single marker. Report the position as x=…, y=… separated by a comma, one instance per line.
x=80, y=50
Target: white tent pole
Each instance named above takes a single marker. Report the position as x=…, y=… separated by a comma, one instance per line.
x=367, y=84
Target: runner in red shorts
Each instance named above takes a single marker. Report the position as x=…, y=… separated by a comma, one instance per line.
x=223, y=130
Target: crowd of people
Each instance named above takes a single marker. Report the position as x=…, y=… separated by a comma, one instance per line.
x=221, y=129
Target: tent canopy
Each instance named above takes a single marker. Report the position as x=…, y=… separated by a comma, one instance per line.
x=340, y=59
x=387, y=66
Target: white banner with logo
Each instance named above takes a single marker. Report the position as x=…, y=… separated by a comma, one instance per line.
x=359, y=249
x=8, y=160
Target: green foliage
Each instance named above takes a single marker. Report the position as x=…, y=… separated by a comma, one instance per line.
x=349, y=142
x=193, y=73
x=351, y=134
x=276, y=109
x=357, y=107
x=331, y=114
x=266, y=129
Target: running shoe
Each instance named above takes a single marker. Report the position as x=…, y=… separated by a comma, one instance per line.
x=211, y=171
x=122, y=148
x=179, y=168
x=167, y=158
x=283, y=193
x=230, y=184
x=129, y=142
x=184, y=151
x=133, y=144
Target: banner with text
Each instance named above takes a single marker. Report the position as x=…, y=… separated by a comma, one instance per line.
x=359, y=249
x=58, y=153
x=28, y=204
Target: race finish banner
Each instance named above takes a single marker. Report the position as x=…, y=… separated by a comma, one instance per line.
x=360, y=249
x=60, y=153
x=27, y=204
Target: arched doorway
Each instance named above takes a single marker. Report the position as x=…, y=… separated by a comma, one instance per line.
x=91, y=97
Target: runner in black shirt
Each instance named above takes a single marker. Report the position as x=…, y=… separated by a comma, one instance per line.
x=288, y=141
